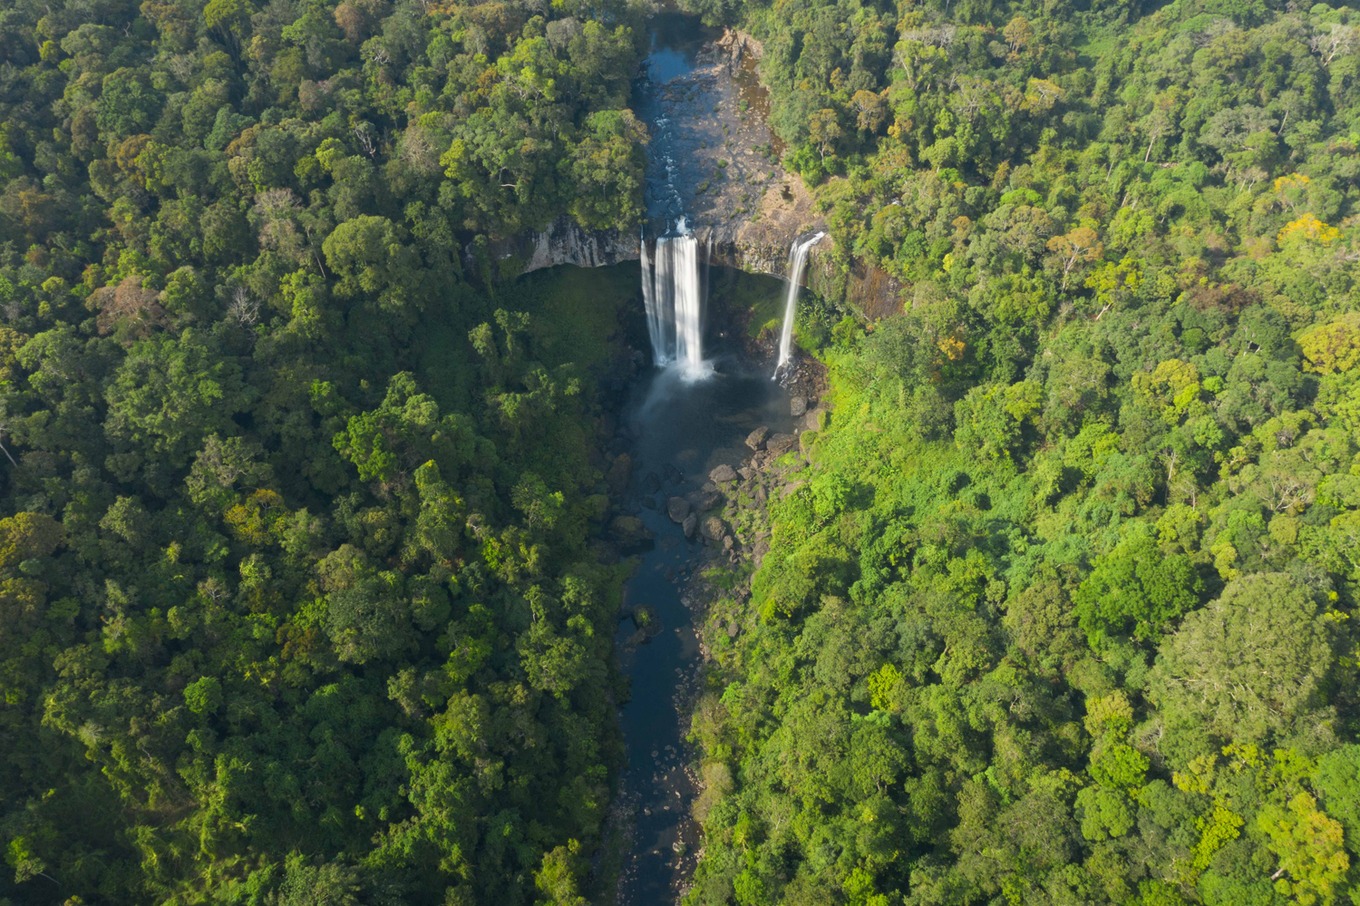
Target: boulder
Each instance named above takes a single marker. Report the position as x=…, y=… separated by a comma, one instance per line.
x=706, y=498
x=646, y=622
x=779, y=444
x=677, y=508
x=797, y=406
x=690, y=526
x=620, y=472
x=651, y=483
x=714, y=529
x=759, y=550
x=673, y=474
x=756, y=439
x=629, y=533
x=723, y=473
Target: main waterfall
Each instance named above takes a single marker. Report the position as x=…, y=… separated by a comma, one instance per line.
x=673, y=297
x=797, y=261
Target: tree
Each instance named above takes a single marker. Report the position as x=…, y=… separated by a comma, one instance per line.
x=167, y=396
x=1313, y=860
x=605, y=168
x=1249, y=668
x=1333, y=347
x=367, y=614
x=371, y=258
x=1136, y=590
x=556, y=880
x=326, y=884
x=824, y=131
x=1080, y=245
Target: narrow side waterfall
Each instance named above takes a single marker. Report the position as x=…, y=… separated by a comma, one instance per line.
x=673, y=296
x=797, y=261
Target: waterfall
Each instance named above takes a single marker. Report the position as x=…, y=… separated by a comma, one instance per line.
x=656, y=320
x=797, y=261
x=673, y=297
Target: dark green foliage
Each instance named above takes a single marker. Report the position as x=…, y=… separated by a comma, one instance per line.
x=297, y=603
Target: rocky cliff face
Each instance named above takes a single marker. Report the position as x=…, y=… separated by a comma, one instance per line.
x=565, y=242
x=737, y=192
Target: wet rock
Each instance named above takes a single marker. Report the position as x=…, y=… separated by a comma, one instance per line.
x=797, y=406
x=723, y=474
x=603, y=551
x=649, y=503
x=756, y=439
x=630, y=534
x=714, y=529
x=651, y=483
x=779, y=444
x=690, y=526
x=678, y=509
x=646, y=622
x=619, y=474
x=673, y=474
x=706, y=499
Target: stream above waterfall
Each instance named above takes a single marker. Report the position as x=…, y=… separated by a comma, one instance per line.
x=710, y=158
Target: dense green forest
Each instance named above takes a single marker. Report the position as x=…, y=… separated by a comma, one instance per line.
x=1064, y=609
x=297, y=596
x=301, y=599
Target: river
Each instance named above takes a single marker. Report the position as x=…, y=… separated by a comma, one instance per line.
x=681, y=430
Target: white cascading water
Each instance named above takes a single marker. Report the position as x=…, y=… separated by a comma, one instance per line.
x=655, y=319
x=797, y=261
x=674, y=301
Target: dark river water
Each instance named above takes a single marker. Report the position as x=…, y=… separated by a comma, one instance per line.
x=670, y=99
x=682, y=431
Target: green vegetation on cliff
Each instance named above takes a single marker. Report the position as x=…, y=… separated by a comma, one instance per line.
x=1063, y=610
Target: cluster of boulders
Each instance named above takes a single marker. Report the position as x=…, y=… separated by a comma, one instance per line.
x=750, y=484
x=712, y=513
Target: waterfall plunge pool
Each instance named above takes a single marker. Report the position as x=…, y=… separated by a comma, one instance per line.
x=680, y=431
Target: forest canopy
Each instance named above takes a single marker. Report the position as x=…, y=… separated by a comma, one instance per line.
x=302, y=595
x=1066, y=596
x=299, y=600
